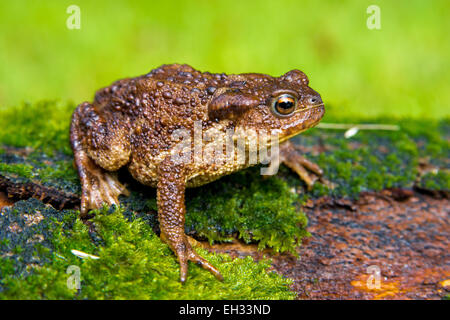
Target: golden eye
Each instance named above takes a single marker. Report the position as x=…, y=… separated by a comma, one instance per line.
x=284, y=105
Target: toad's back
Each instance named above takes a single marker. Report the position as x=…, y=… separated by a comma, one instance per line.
x=179, y=86
x=172, y=83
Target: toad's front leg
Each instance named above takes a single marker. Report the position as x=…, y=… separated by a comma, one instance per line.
x=171, y=211
x=292, y=158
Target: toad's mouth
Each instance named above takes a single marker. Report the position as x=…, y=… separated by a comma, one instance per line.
x=308, y=107
x=312, y=115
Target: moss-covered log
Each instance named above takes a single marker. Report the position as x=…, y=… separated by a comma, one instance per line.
x=38, y=232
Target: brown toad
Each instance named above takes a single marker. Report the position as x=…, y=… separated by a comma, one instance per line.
x=140, y=123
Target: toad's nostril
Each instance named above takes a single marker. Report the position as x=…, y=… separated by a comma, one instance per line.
x=314, y=100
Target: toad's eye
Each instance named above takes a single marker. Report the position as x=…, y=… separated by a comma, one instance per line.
x=284, y=105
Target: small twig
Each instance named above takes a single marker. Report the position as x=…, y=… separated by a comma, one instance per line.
x=353, y=129
x=391, y=127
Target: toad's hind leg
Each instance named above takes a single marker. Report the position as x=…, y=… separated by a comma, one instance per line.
x=98, y=185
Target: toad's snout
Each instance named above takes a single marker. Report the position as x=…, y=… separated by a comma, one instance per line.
x=311, y=100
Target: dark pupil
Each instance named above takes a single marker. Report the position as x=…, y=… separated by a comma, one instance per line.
x=285, y=105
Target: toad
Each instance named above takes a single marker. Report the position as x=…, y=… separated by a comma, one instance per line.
x=140, y=123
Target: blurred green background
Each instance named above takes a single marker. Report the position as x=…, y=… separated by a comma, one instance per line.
x=400, y=70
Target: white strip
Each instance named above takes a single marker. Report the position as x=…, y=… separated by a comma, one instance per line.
x=83, y=255
x=345, y=126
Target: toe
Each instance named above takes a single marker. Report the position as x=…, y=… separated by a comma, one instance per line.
x=185, y=253
x=310, y=166
x=183, y=271
x=195, y=257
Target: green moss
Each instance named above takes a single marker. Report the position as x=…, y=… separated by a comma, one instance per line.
x=374, y=160
x=135, y=264
x=53, y=171
x=58, y=171
x=21, y=170
x=439, y=180
x=43, y=125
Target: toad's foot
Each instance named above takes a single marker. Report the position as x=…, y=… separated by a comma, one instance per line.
x=184, y=252
x=292, y=158
x=98, y=185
